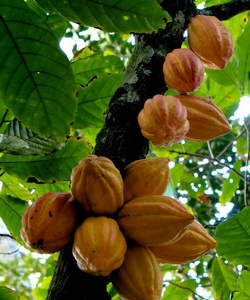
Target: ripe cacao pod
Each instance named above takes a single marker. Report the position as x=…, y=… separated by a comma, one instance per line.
x=139, y=277
x=194, y=243
x=154, y=220
x=210, y=40
x=97, y=184
x=206, y=120
x=146, y=177
x=99, y=246
x=48, y=224
x=163, y=120
x=183, y=71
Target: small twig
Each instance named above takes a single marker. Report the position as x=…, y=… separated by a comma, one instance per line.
x=247, y=160
x=231, y=143
x=9, y=253
x=210, y=149
x=6, y=235
x=3, y=118
x=186, y=288
x=211, y=160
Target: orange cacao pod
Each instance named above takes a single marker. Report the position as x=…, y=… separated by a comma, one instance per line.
x=97, y=184
x=154, y=220
x=210, y=40
x=206, y=120
x=146, y=177
x=183, y=71
x=99, y=246
x=163, y=120
x=194, y=243
x=139, y=277
x=48, y=224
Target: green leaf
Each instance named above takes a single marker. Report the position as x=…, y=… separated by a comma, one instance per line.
x=242, y=53
x=56, y=166
x=11, y=210
x=176, y=174
x=230, y=185
x=224, y=280
x=37, y=83
x=94, y=99
x=27, y=142
x=8, y=294
x=90, y=67
x=40, y=292
x=180, y=290
x=124, y=16
x=244, y=282
x=233, y=238
x=14, y=187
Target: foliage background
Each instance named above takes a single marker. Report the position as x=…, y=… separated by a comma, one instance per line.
x=51, y=109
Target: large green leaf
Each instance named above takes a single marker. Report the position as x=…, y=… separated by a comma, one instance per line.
x=11, y=210
x=230, y=185
x=8, y=294
x=20, y=140
x=180, y=290
x=122, y=16
x=14, y=187
x=92, y=66
x=94, y=99
x=242, y=52
x=233, y=238
x=37, y=83
x=56, y=166
x=224, y=279
x=244, y=284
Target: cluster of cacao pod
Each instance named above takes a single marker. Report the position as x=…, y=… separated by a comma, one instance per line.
x=166, y=120
x=120, y=226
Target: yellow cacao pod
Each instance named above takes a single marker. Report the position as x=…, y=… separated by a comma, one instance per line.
x=154, y=220
x=146, y=177
x=194, y=243
x=139, y=277
x=48, y=224
x=163, y=120
x=97, y=184
x=206, y=119
x=210, y=40
x=183, y=71
x=99, y=246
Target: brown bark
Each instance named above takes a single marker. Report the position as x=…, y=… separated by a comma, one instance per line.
x=120, y=138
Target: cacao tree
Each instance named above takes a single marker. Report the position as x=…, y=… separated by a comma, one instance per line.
x=56, y=110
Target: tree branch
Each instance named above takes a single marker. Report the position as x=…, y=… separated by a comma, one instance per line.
x=227, y=10
x=211, y=160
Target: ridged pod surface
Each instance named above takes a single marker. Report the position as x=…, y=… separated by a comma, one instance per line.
x=194, y=243
x=183, y=70
x=48, y=224
x=210, y=40
x=154, y=220
x=97, y=184
x=163, y=120
x=99, y=246
x=146, y=177
x=206, y=119
x=139, y=277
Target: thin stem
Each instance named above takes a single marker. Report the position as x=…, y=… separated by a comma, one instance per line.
x=247, y=160
x=3, y=118
x=211, y=160
x=232, y=141
x=210, y=149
